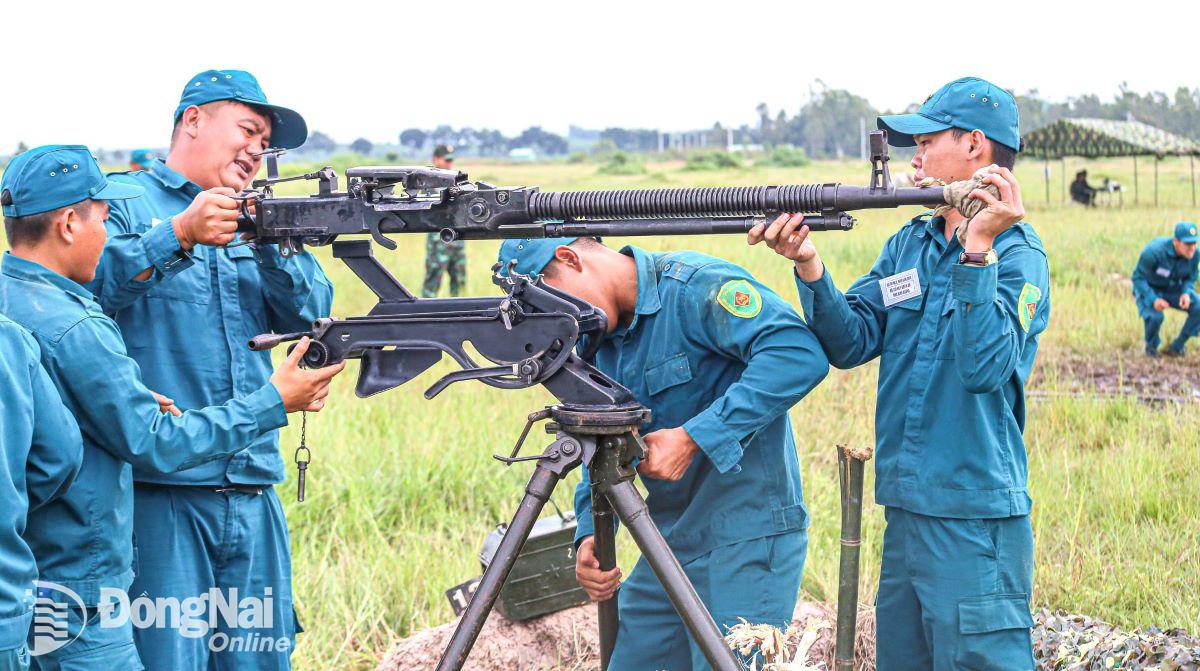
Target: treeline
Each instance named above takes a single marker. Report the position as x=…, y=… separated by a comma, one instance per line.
x=828, y=125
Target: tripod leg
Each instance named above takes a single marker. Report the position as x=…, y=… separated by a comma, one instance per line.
x=606, y=552
x=537, y=492
x=631, y=508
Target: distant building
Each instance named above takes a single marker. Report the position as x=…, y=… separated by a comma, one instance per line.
x=523, y=154
x=696, y=139
x=582, y=139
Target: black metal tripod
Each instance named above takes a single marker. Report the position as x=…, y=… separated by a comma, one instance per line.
x=605, y=440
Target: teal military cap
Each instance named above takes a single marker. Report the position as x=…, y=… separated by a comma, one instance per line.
x=1185, y=231
x=969, y=103
x=531, y=254
x=143, y=157
x=288, y=129
x=53, y=176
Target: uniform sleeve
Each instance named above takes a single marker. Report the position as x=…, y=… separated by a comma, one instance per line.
x=131, y=249
x=783, y=362
x=1145, y=268
x=296, y=289
x=1189, y=282
x=57, y=449
x=118, y=412
x=849, y=326
x=1001, y=309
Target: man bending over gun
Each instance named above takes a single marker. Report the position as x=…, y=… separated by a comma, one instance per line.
x=719, y=359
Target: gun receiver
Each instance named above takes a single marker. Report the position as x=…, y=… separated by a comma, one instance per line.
x=529, y=336
x=381, y=200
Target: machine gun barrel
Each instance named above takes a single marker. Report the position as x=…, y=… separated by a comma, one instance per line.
x=722, y=201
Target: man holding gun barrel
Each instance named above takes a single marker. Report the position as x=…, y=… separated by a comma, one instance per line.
x=953, y=310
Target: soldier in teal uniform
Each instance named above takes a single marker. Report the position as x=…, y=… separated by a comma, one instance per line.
x=140, y=159
x=1165, y=277
x=442, y=258
x=954, y=321
x=187, y=304
x=58, y=202
x=40, y=452
x=719, y=359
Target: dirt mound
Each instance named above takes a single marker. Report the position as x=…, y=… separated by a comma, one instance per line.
x=563, y=640
x=568, y=640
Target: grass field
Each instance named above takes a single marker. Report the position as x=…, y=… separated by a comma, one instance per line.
x=402, y=490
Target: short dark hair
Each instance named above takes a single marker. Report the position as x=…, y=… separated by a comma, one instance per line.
x=1003, y=156
x=578, y=242
x=32, y=229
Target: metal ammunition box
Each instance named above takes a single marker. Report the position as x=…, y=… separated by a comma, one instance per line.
x=543, y=579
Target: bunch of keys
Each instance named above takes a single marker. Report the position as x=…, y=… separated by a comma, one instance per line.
x=303, y=455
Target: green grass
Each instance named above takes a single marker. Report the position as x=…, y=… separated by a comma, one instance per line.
x=403, y=490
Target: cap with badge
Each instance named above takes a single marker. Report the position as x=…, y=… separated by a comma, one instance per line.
x=444, y=151
x=531, y=254
x=968, y=104
x=288, y=129
x=142, y=157
x=1185, y=232
x=53, y=176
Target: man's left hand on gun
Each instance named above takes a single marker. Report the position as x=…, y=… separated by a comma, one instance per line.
x=1000, y=213
x=669, y=452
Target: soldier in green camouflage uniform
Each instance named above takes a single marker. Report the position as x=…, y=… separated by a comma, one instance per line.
x=441, y=257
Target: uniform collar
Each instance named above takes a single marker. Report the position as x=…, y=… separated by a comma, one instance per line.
x=170, y=178
x=31, y=271
x=647, y=287
x=933, y=227
x=647, y=278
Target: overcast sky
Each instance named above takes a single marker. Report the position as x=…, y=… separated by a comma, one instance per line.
x=109, y=74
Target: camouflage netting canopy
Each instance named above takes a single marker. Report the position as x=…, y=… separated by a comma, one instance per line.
x=1097, y=138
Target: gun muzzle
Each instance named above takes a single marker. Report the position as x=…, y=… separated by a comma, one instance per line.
x=267, y=341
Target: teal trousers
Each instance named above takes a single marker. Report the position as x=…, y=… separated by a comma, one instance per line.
x=954, y=594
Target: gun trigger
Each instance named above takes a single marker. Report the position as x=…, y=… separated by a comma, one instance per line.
x=378, y=237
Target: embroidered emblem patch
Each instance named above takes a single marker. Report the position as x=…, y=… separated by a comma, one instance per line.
x=1027, y=304
x=740, y=299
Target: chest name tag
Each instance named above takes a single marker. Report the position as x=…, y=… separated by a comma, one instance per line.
x=1163, y=272
x=900, y=287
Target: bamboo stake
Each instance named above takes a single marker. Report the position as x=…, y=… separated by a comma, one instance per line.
x=851, y=464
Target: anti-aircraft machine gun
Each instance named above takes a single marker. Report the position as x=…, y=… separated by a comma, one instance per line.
x=531, y=335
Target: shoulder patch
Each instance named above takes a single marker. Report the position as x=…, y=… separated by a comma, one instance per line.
x=1027, y=304
x=740, y=299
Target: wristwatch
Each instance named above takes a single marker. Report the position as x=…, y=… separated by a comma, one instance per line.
x=979, y=258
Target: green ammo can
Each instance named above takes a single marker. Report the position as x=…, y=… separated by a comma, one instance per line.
x=543, y=579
